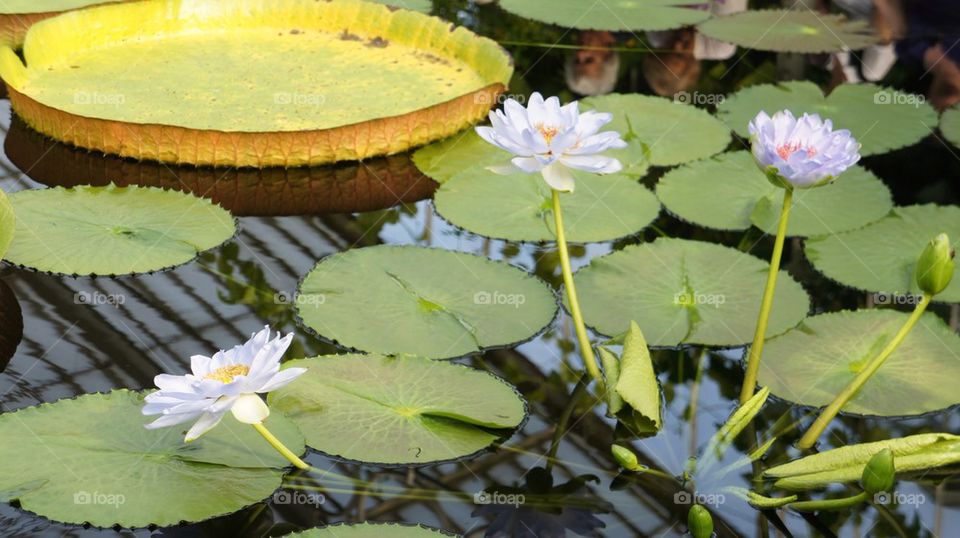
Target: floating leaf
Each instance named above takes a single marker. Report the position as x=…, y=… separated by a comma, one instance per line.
x=672, y=132
x=685, y=292
x=91, y=460
x=422, y=301
x=423, y=6
x=880, y=118
x=612, y=15
x=882, y=257
x=813, y=363
x=349, y=80
x=370, y=530
x=113, y=230
x=7, y=223
x=17, y=16
x=845, y=464
x=519, y=207
x=785, y=30
x=465, y=150
x=729, y=192
x=637, y=383
x=950, y=125
x=402, y=410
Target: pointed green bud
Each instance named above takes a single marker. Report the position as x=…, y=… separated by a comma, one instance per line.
x=625, y=457
x=879, y=473
x=700, y=522
x=935, y=265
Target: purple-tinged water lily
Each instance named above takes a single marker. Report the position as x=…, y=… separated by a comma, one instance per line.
x=801, y=153
x=552, y=139
x=230, y=380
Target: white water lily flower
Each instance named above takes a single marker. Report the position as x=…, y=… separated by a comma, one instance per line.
x=231, y=380
x=552, y=139
x=803, y=152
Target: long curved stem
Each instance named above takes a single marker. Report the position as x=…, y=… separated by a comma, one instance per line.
x=280, y=447
x=851, y=390
x=561, y=428
x=586, y=349
x=756, y=349
x=829, y=504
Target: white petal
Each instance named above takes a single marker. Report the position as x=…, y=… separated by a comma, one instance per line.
x=527, y=164
x=558, y=177
x=250, y=409
x=169, y=420
x=281, y=379
x=206, y=423
x=596, y=164
x=174, y=383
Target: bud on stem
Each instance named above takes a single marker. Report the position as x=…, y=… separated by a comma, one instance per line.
x=700, y=522
x=935, y=265
x=878, y=474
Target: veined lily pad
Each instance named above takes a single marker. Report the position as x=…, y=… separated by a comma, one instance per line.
x=113, y=230
x=880, y=118
x=17, y=16
x=422, y=301
x=670, y=132
x=786, y=30
x=729, y=192
x=612, y=15
x=811, y=364
x=685, y=292
x=370, y=530
x=398, y=410
x=519, y=207
x=950, y=125
x=465, y=150
x=347, y=79
x=91, y=460
x=7, y=223
x=882, y=257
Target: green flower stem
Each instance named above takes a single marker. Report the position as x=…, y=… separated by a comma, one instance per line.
x=280, y=447
x=829, y=504
x=756, y=349
x=851, y=390
x=589, y=359
x=561, y=428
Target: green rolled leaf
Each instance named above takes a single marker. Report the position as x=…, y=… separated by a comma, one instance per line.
x=737, y=422
x=611, y=372
x=765, y=503
x=637, y=382
x=935, y=265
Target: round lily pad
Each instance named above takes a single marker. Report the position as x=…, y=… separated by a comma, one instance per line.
x=348, y=80
x=685, y=292
x=881, y=119
x=416, y=5
x=882, y=257
x=371, y=530
x=950, y=125
x=519, y=207
x=729, y=192
x=813, y=363
x=7, y=223
x=788, y=30
x=465, y=150
x=612, y=15
x=398, y=410
x=90, y=459
x=669, y=132
x=422, y=301
x=113, y=230
x=17, y=16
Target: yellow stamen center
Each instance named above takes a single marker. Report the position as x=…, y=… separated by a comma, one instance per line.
x=548, y=132
x=225, y=374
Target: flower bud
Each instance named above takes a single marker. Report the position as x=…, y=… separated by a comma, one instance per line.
x=250, y=409
x=700, y=522
x=935, y=265
x=625, y=457
x=879, y=473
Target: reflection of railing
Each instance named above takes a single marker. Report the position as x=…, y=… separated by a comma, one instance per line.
x=344, y=188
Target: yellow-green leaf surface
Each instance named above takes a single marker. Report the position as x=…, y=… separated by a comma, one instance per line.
x=46, y=6
x=637, y=382
x=7, y=223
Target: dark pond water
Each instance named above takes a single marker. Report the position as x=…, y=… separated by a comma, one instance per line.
x=137, y=327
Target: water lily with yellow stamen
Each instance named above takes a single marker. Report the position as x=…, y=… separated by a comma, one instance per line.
x=231, y=380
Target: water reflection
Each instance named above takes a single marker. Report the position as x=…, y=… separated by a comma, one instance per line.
x=343, y=188
x=11, y=324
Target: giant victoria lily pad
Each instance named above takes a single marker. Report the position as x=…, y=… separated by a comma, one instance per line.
x=91, y=460
x=422, y=301
x=17, y=16
x=398, y=410
x=252, y=82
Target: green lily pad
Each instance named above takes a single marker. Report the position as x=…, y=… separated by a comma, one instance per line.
x=685, y=292
x=422, y=301
x=398, y=410
x=670, y=132
x=950, y=125
x=612, y=15
x=113, y=230
x=729, y=192
x=785, y=30
x=813, y=363
x=519, y=207
x=7, y=223
x=423, y=6
x=46, y=6
x=880, y=118
x=370, y=530
x=882, y=257
x=90, y=459
x=465, y=150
